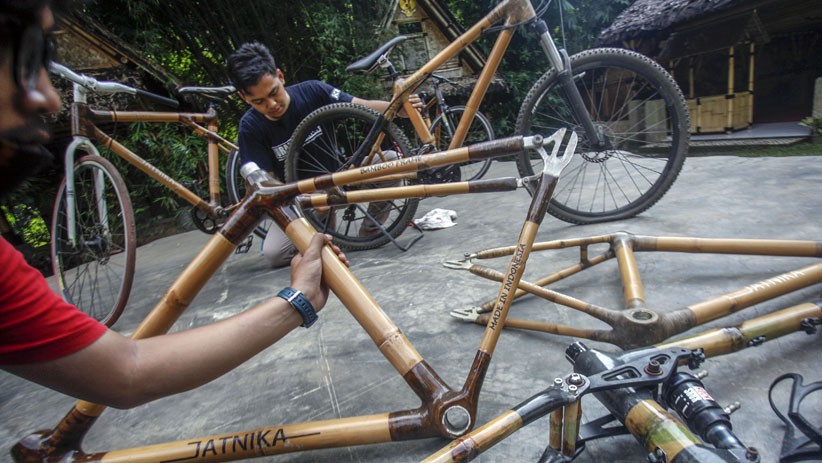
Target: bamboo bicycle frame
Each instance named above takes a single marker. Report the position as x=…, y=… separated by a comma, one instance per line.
x=645, y=418
x=638, y=324
x=444, y=411
x=84, y=120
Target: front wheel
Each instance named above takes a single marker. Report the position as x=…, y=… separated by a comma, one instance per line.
x=95, y=268
x=637, y=108
x=325, y=142
x=480, y=130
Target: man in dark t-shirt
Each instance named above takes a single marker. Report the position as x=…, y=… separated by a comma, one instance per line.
x=264, y=140
x=276, y=110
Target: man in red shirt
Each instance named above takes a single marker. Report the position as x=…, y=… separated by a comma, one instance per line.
x=48, y=341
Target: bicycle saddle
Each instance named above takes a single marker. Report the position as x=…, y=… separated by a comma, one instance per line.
x=367, y=64
x=217, y=92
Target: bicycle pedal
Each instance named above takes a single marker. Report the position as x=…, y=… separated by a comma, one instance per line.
x=244, y=247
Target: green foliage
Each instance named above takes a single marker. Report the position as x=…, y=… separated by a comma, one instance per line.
x=317, y=39
x=174, y=150
x=814, y=123
x=27, y=211
x=27, y=223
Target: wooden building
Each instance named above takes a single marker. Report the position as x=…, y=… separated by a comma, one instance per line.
x=87, y=47
x=739, y=62
x=430, y=27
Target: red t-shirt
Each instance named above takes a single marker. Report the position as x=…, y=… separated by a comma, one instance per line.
x=36, y=324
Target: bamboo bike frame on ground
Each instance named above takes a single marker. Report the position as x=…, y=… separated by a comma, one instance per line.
x=444, y=411
x=639, y=324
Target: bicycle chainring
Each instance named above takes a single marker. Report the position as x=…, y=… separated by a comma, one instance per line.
x=204, y=222
x=446, y=174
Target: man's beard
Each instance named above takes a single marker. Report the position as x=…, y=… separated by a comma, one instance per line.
x=19, y=161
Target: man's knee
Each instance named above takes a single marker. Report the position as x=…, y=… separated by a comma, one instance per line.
x=281, y=257
x=278, y=249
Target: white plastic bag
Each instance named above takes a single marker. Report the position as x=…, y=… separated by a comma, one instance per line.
x=436, y=219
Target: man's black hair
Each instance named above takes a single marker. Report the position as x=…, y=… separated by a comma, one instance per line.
x=16, y=15
x=20, y=161
x=248, y=64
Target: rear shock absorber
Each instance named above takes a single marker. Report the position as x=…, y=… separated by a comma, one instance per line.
x=667, y=438
x=685, y=394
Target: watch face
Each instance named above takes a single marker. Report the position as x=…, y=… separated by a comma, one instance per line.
x=408, y=7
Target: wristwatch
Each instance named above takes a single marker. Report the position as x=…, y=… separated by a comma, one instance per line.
x=297, y=299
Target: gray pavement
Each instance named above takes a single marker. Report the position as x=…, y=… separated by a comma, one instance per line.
x=334, y=370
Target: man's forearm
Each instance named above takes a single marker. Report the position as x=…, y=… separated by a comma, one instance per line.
x=123, y=373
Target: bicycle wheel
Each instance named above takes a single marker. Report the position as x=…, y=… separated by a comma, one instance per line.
x=323, y=143
x=479, y=130
x=96, y=270
x=235, y=186
x=636, y=104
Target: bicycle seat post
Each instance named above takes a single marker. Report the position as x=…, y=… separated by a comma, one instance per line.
x=386, y=64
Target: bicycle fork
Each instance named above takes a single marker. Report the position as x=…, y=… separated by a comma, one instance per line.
x=80, y=142
x=562, y=63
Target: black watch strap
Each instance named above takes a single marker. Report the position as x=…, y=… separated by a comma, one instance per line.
x=297, y=299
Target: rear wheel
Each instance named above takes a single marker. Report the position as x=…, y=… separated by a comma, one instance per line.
x=480, y=130
x=95, y=270
x=323, y=143
x=638, y=107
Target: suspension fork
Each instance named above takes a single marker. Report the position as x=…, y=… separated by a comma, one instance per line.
x=562, y=63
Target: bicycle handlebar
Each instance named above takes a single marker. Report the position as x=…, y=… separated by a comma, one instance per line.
x=107, y=87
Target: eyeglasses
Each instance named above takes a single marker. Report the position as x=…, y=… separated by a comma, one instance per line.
x=35, y=51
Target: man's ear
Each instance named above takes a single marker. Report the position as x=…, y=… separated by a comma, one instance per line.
x=242, y=96
x=281, y=76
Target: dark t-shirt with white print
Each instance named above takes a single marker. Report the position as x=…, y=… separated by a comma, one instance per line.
x=265, y=142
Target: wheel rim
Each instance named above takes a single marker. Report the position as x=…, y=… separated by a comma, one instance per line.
x=634, y=116
x=94, y=271
x=332, y=151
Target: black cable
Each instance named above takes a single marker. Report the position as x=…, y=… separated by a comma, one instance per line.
x=561, y=23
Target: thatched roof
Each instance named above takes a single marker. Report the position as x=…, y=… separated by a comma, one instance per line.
x=649, y=17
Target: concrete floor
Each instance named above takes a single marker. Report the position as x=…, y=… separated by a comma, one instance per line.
x=334, y=370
